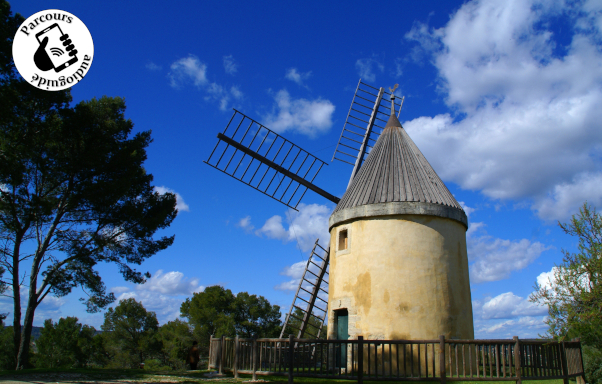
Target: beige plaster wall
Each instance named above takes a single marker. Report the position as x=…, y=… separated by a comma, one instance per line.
x=402, y=277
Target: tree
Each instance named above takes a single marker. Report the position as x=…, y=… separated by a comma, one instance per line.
x=176, y=339
x=574, y=295
x=130, y=333
x=73, y=190
x=216, y=311
x=65, y=344
x=254, y=316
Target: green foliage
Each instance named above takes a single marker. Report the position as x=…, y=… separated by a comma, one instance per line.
x=155, y=365
x=66, y=344
x=130, y=334
x=592, y=362
x=574, y=299
x=73, y=191
x=7, y=350
x=216, y=311
x=176, y=339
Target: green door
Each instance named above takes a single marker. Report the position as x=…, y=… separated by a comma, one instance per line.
x=342, y=334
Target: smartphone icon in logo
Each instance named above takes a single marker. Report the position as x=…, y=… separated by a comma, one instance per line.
x=55, y=49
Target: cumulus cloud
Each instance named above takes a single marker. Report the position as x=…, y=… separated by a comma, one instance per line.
x=308, y=117
x=295, y=271
x=171, y=283
x=546, y=279
x=507, y=315
x=508, y=305
x=367, y=68
x=298, y=77
x=229, y=65
x=188, y=69
x=304, y=226
x=163, y=293
x=493, y=259
x=526, y=114
x=181, y=205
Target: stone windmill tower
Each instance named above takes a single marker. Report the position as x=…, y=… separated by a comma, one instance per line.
x=397, y=255
x=398, y=262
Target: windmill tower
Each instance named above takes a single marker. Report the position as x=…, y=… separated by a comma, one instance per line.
x=397, y=261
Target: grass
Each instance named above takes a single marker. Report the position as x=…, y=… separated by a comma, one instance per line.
x=179, y=377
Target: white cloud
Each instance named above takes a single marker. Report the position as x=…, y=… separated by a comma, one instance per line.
x=223, y=95
x=163, y=293
x=466, y=208
x=171, y=283
x=295, y=271
x=245, y=223
x=494, y=259
x=49, y=308
x=191, y=69
x=524, y=327
x=308, y=117
x=566, y=198
x=229, y=65
x=181, y=205
x=508, y=305
x=367, y=67
x=153, y=67
x=546, y=279
x=507, y=315
x=188, y=69
x=304, y=226
x=290, y=285
x=119, y=290
x=527, y=124
x=298, y=77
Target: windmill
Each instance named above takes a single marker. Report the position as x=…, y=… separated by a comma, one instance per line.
x=394, y=188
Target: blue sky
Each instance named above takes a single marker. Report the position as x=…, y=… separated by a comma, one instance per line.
x=502, y=97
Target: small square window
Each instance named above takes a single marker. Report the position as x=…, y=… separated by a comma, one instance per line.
x=343, y=238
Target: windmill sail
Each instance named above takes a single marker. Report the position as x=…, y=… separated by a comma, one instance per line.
x=306, y=316
x=266, y=161
x=368, y=114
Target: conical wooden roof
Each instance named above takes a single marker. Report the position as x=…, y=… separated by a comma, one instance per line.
x=396, y=171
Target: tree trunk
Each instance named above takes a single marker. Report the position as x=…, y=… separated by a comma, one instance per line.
x=23, y=356
x=16, y=296
x=32, y=303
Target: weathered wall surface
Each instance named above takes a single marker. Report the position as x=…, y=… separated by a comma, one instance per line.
x=402, y=277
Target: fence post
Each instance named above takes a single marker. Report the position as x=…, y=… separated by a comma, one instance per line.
x=517, y=367
x=581, y=379
x=291, y=358
x=210, y=345
x=360, y=359
x=236, y=350
x=565, y=368
x=442, y=372
x=254, y=360
x=222, y=352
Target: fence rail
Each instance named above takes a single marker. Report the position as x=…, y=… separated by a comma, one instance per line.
x=401, y=360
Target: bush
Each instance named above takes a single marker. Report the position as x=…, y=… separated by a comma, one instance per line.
x=7, y=350
x=155, y=365
x=592, y=364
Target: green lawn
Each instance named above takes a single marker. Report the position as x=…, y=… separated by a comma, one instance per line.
x=147, y=376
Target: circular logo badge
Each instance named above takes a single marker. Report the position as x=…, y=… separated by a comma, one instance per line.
x=53, y=50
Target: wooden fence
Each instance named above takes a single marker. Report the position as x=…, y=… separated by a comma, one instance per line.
x=400, y=360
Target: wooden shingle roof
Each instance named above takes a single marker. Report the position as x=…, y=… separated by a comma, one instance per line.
x=396, y=171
